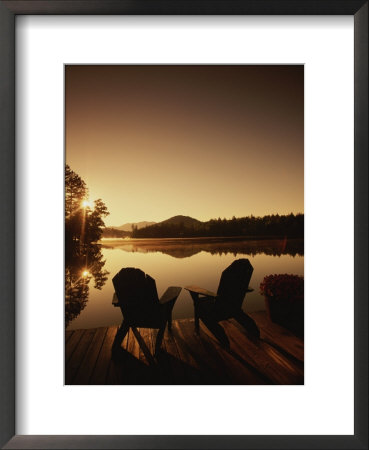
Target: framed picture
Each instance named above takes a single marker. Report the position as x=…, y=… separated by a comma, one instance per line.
x=211, y=157
x=184, y=243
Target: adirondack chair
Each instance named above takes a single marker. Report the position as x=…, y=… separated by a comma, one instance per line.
x=137, y=297
x=211, y=308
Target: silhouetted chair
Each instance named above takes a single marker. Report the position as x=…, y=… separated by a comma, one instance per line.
x=137, y=297
x=227, y=302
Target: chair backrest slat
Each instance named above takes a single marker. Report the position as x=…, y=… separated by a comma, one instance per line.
x=136, y=291
x=234, y=282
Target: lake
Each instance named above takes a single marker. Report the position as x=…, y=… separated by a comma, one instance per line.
x=181, y=262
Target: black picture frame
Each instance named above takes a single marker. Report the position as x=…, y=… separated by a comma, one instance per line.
x=8, y=12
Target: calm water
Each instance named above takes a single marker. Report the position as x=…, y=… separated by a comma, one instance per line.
x=182, y=262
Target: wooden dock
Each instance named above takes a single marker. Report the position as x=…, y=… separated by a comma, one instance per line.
x=187, y=358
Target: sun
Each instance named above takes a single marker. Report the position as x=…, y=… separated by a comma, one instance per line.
x=86, y=204
x=85, y=273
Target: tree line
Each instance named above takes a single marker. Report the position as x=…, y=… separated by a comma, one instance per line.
x=290, y=225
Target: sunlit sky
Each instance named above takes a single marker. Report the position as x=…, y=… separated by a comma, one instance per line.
x=202, y=141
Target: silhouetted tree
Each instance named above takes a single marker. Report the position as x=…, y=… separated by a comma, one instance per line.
x=83, y=224
x=83, y=258
x=75, y=191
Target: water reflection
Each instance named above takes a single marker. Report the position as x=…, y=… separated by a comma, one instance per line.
x=79, y=270
x=185, y=248
x=177, y=263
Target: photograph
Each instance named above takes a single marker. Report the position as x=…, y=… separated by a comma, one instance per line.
x=184, y=224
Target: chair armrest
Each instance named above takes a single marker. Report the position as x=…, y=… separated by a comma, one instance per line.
x=201, y=291
x=115, y=301
x=170, y=294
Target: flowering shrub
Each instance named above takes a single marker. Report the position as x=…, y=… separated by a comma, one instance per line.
x=283, y=287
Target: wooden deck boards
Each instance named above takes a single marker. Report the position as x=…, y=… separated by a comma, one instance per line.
x=186, y=357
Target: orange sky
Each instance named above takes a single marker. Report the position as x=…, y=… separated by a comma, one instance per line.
x=202, y=141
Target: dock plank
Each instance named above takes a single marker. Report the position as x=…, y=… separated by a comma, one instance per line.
x=133, y=346
x=68, y=335
x=208, y=361
x=147, y=371
x=76, y=359
x=101, y=368
x=174, y=360
x=259, y=356
x=191, y=366
x=115, y=369
x=241, y=370
x=187, y=357
x=72, y=343
x=145, y=334
x=87, y=366
x=279, y=336
x=164, y=371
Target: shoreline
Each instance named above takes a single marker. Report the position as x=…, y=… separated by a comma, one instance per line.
x=201, y=239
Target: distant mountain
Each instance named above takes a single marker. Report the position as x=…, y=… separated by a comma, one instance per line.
x=178, y=220
x=110, y=232
x=177, y=226
x=128, y=226
x=126, y=229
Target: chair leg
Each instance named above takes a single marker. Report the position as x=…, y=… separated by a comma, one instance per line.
x=170, y=321
x=217, y=331
x=143, y=346
x=197, y=321
x=123, y=330
x=195, y=298
x=248, y=323
x=159, y=339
